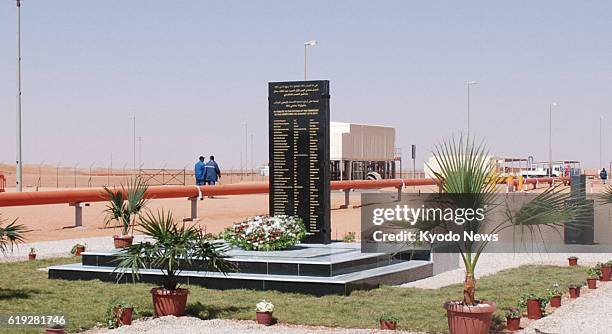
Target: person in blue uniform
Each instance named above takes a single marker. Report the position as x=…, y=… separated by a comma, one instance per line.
x=212, y=173
x=199, y=170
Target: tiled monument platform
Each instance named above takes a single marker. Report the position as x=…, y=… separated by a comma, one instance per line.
x=336, y=268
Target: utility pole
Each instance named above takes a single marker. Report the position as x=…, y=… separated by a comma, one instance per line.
x=134, y=142
x=246, y=145
x=139, y=151
x=19, y=162
x=550, y=164
x=414, y=161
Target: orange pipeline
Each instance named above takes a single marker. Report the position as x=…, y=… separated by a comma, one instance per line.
x=98, y=195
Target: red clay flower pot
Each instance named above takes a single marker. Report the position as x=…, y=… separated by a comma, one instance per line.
x=463, y=319
x=264, y=318
x=592, y=283
x=555, y=301
x=533, y=309
x=513, y=324
x=169, y=302
x=123, y=241
x=573, y=261
x=123, y=315
x=574, y=292
x=606, y=272
x=32, y=256
x=55, y=331
x=388, y=325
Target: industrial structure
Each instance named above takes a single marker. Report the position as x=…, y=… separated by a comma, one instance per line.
x=357, y=150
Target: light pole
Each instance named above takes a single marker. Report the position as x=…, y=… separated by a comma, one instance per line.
x=601, y=118
x=469, y=83
x=19, y=162
x=550, y=110
x=306, y=45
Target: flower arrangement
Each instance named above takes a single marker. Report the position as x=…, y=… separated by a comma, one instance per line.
x=264, y=306
x=513, y=313
x=266, y=233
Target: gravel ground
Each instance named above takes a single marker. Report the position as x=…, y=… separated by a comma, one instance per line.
x=491, y=263
x=591, y=313
x=59, y=248
x=190, y=325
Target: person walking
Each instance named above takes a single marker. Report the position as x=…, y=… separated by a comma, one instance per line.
x=199, y=171
x=603, y=175
x=212, y=173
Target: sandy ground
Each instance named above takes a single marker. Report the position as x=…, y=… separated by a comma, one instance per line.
x=189, y=325
x=54, y=222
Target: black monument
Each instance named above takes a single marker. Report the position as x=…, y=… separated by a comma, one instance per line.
x=299, y=154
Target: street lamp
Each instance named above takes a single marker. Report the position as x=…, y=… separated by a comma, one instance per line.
x=550, y=110
x=469, y=83
x=306, y=45
x=601, y=118
x=19, y=162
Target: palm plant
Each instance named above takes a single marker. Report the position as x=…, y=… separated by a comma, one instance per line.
x=468, y=175
x=126, y=205
x=174, y=247
x=606, y=196
x=11, y=234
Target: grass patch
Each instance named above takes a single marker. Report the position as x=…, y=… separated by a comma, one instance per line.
x=26, y=290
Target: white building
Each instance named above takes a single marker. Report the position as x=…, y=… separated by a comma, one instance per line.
x=357, y=149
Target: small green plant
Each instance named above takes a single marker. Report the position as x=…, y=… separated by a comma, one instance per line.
x=114, y=312
x=522, y=303
x=350, y=237
x=576, y=285
x=593, y=272
x=126, y=205
x=554, y=291
x=389, y=317
x=608, y=264
x=76, y=248
x=513, y=313
x=32, y=250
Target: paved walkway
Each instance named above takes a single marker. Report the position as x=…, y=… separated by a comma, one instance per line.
x=59, y=248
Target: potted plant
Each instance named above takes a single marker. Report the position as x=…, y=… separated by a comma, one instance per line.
x=119, y=314
x=464, y=169
x=56, y=329
x=32, y=254
x=11, y=234
x=77, y=249
x=124, y=208
x=263, y=312
x=173, y=246
x=534, y=305
x=606, y=271
x=574, y=290
x=554, y=295
x=592, y=275
x=350, y=237
x=513, y=319
x=573, y=261
x=388, y=321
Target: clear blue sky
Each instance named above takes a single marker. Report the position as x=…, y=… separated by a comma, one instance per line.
x=194, y=71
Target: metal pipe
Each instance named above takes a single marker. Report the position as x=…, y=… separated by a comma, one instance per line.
x=98, y=195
